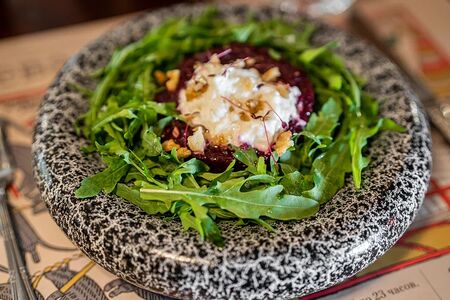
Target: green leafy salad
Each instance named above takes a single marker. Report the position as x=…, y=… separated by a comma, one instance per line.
x=124, y=125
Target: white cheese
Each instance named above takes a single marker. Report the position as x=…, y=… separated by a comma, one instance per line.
x=233, y=103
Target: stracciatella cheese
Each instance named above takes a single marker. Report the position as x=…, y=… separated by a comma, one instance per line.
x=238, y=105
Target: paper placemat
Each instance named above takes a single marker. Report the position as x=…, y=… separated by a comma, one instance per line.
x=417, y=267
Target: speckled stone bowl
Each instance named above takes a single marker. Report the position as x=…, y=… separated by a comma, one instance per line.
x=349, y=232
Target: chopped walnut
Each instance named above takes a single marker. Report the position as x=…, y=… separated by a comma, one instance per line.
x=215, y=59
x=271, y=75
x=196, y=142
x=283, y=89
x=239, y=63
x=244, y=116
x=200, y=84
x=183, y=152
x=169, y=145
x=175, y=132
x=251, y=103
x=190, y=93
x=250, y=61
x=197, y=64
x=218, y=140
x=173, y=79
x=196, y=87
x=283, y=142
x=160, y=77
x=255, y=105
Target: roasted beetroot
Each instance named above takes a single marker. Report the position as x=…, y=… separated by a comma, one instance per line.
x=218, y=157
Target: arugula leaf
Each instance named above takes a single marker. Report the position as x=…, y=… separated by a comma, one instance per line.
x=105, y=180
x=125, y=113
x=296, y=183
x=162, y=123
x=354, y=89
x=261, y=165
x=150, y=143
x=332, y=77
x=213, y=177
x=133, y=195
x=101, y=91
x=243, y=32
x=319, y=129
x=133, y=128
x=358, y=139
x=247, y=205
x=247, y=157
x=267, y=202
x=369, y=108
x=207, y=229
x=274, y=54
x=206, y=226
x=309, y=55
x=192, y=166
x=217, y=212
x=287, y=168
x=329, y=171
x=211, y=231
x=187, y=219
x=273, y=163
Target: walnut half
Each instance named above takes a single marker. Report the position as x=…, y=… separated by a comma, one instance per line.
x=169, y=145
x=283, y=142
x=183, y=152
x=271, y=75
x=173, y=79
x=196, y=142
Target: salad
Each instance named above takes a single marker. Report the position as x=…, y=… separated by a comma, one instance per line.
x=204, y=120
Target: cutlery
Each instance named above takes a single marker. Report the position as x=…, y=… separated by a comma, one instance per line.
x=18, y=276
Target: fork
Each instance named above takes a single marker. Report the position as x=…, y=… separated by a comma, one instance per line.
x=20, y=285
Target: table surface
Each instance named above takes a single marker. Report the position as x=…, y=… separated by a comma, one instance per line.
x=417, y=267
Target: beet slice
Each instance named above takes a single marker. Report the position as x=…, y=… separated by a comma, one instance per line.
x=217, y=157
